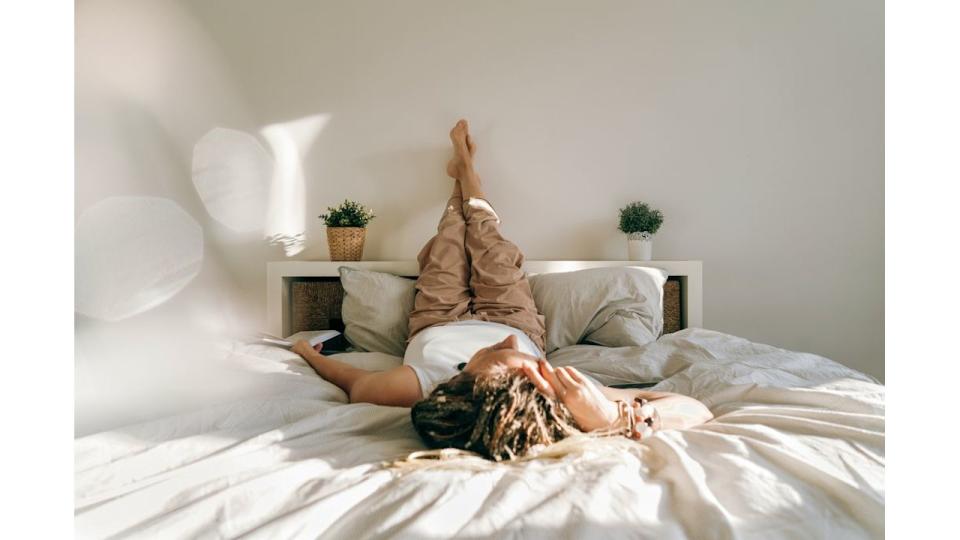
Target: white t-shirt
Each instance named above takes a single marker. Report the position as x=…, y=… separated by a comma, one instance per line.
x=435, y=353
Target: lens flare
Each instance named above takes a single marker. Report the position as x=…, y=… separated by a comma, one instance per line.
x=231, y=171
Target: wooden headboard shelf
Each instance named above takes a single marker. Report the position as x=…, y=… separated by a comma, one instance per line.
x=307, y=295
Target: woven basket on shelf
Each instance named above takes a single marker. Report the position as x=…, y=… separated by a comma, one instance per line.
x=346, y=243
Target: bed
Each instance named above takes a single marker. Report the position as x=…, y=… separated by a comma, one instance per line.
x=796, y=450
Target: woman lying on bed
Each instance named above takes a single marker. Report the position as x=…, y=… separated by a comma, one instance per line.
x=474, y=370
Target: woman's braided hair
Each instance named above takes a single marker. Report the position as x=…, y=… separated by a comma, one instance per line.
x=499, y=416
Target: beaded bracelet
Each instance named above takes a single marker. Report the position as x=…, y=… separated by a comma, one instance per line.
x=628, y=414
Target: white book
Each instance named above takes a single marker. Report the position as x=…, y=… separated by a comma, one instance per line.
x=325, y=335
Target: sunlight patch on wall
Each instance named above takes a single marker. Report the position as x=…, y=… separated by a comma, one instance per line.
x=286, y=215
x=232, y=172
x=133, y=254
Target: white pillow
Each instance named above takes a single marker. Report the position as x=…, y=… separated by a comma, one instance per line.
x=614, y=306
x=376, y=308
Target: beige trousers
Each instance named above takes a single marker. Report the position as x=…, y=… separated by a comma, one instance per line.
x=469, y=271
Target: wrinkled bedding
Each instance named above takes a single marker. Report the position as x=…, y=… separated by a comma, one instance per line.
x=796, y=451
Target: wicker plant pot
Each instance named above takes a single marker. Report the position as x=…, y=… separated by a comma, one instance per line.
x=346, y=243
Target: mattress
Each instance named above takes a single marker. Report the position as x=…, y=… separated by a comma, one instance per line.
x=796, y=450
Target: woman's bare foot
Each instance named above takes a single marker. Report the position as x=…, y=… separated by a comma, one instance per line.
x=463, y=151
x=461, y=165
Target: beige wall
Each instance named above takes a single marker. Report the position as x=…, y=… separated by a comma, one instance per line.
x=757, y=127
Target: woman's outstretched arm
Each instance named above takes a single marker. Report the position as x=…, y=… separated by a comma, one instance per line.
x=397, y=387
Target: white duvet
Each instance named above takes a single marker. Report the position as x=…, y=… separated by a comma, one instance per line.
x=796, y=451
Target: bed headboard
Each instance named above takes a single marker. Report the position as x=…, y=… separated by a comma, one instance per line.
x=306, y=295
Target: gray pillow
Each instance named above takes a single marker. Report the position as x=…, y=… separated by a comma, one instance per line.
x=614, y=306
x=376, y=307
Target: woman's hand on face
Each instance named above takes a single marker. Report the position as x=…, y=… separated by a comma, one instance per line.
x=304, y=349
x=589, y=407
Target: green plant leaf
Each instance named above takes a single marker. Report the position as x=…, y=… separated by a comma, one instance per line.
x=638, y=217
x=347, y=214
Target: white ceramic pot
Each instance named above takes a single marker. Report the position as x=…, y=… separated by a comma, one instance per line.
x=639, y=248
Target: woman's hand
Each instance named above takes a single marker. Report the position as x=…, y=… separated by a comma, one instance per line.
x=304, y=349
x=589, y=407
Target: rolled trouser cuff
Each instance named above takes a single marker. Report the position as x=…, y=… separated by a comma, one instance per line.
x=476, y=209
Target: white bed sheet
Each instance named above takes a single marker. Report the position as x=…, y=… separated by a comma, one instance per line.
x=796, y=451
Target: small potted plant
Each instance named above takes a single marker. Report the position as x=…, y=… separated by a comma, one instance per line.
x=640, y=222
x=346, y=230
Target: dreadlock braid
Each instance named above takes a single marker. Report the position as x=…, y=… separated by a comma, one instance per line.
x=500, y=416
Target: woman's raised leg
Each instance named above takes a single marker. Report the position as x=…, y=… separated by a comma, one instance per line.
x=501, y=292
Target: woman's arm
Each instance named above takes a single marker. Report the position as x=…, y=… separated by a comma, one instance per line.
x=676, y=410
x=397, y=387
x=594, y=407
